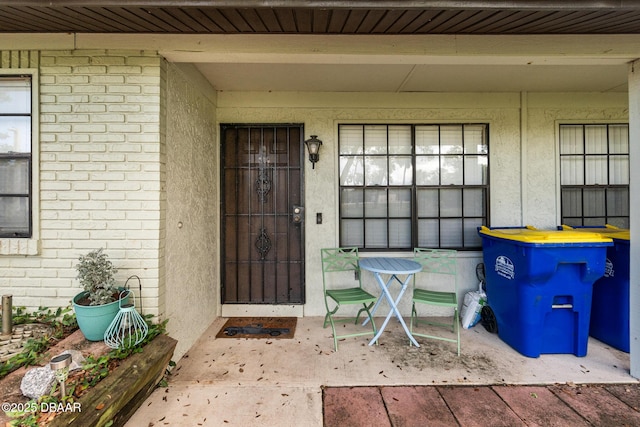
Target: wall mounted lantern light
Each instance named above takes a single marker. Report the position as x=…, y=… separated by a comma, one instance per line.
x=313, y=145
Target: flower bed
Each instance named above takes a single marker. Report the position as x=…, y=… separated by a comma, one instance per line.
x=107, y=391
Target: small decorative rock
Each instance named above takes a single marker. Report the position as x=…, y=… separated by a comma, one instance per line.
x=37, y=382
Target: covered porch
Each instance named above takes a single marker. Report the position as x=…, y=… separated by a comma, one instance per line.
x=280, y=382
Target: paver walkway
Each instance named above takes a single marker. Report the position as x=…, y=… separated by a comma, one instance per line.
x=467, y=406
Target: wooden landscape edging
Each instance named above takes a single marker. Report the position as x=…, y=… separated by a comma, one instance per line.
x=120, y=394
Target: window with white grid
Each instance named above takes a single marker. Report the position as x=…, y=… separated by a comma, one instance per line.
x=594, y=174
x=413, y=185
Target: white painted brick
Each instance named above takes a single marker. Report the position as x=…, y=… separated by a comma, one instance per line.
x=142, y=158
x=106, y=79
x=151, y=60
x=123, y=128
x=108, y=157
x=89, y=205
x=89, y=108
x=108, y=118
x=126, y=69
x=73, y=234
x=124, y=108
x=73, y=61
x=143, y=215
x=126, y=89
x=151, y=90
x=56, y=244
x=74, y=138
x=142, y=99
x=142, y=196
x=55, y=108
x=73, y=195
x=126, y=148
x=89, y=186
x=108, y=196
x=62, y=89
x=72, y=176
x=107, y=137
x=108, y=215
x=124, y=186
x=90, y=225
x=151, y=148
x=73, y=157
x=55, y=205
x=99, y=140
x=58, y=225
x=89, y=89
x=124, y=167
x=68, y=79
x=69, y=214
x=89, y=148
x=72, y=118
x=89, y=128
x=89, y=167
x=45, y=128
x=92, y=69
x=25, y=263
x=143, y=118
x=108, y=60
x=112, y=176
x=151, y=127
x=47, y=99
x=107, y=98
x=55, y=167
x=55, y=70
x=142, y=80
x=42, y=273
x=55, y=186
x=48, y=79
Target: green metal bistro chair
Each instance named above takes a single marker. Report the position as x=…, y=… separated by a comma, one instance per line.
x=442, y=263
x=342, y=261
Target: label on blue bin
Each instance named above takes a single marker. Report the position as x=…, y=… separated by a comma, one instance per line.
x=608, y=269
x=505, y=267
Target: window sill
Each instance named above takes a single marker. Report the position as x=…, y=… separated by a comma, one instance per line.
x=19, y=246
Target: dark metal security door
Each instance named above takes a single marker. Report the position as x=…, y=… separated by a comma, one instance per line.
x=262, y=214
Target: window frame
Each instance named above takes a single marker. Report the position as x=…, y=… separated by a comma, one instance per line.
x=415, y=188
x=589, y=220
x=27, y=244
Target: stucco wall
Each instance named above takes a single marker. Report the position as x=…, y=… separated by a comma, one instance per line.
x=192, y=206
x=522, y=164
x=98, y=181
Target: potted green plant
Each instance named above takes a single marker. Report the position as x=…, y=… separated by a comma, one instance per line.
x=97, y=305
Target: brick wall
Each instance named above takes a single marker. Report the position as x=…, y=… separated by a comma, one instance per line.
x=100, y=174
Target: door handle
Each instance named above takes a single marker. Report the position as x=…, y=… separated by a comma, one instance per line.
x=297, y=214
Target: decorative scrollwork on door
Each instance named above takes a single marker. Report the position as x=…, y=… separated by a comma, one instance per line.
x=263, y=185
x=263, y=243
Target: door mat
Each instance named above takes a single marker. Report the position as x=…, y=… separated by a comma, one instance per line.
x=258, y=327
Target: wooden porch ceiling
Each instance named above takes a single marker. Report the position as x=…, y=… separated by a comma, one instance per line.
x=321, y=17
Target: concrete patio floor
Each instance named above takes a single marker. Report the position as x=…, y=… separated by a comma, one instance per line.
x=280, y=382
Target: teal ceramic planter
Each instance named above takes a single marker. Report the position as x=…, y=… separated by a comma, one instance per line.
x=93, y=320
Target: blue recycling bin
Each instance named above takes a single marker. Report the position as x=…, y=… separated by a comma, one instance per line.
x=610, y=303
x=539, y=285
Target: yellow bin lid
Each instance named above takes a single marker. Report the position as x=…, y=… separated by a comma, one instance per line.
x=530, y=235
x=607, y=231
